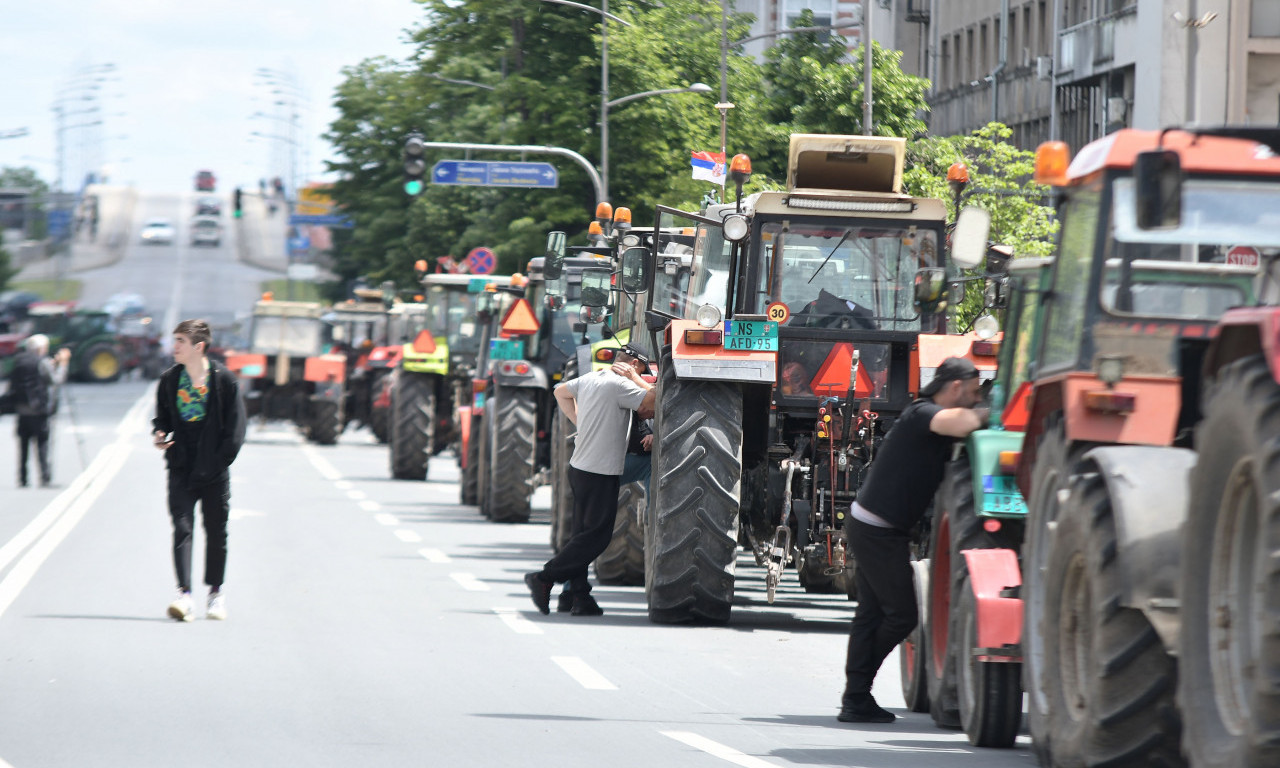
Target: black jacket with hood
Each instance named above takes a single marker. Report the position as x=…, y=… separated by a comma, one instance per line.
x=203, y=450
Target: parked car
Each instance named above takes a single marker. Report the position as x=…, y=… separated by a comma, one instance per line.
x=158, y=232
x=208, y=206
x=206, y=230
x=205, y=181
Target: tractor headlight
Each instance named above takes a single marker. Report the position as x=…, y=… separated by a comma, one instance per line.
x=735, y=227
x=708, y=316
x=986, y=327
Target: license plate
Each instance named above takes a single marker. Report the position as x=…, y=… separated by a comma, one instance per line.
x=750, y=336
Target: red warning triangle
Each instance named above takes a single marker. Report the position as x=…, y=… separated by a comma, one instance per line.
x=833, y=377
x=520, y=319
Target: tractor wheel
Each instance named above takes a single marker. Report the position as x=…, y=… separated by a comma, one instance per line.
x=1230, y=636
x=413, y=413
x=100, y=363
x=622, y=564
x=1051, y=473
x=562, y=440
x=949, y=511
x=691, y=526
x=513, y=443
x=912, y=653
x=1111, y=696
x=325, y=422
x=990, y=691
x=471, y=472
x=380, y=422
x=446, y=432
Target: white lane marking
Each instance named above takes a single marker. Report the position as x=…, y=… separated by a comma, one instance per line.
x=355, y=495
x=386, y=518
x=370, y=506
x=60, y=517
x=582, y=672
x=432, y=555
x=322, y=465
x=716, y=749
x=238, y=514
x=408, y=537
x=343, y=485
x=518, y=624
x=469, y=582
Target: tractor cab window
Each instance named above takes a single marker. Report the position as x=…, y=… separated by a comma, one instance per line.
x=1080, y=214
x=294, y=336
x=838, y=276
x=452, y=316
x=558, y=333
x=692, y=265
x=404, y=324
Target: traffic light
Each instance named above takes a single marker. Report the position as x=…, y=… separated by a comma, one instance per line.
x=415, y=165
x=235, y=202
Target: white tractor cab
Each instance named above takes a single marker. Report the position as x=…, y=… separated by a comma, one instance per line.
x=788, y=335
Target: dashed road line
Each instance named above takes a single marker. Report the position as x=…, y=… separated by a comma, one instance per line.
x=370, y=506
x=434, y=555
x=518, y=624
x=343, y=485
x=386, y=518
x=322, y=465
x=355, y=495
x=469, y=582
x=408, y=536
x=582, y=672
x=716, y=749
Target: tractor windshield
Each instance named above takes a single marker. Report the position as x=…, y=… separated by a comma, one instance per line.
x=294, y=336
x=404, y=323
x=1203, y=267
x=692, y=266
x=453, y=316
x=838, y=276
x=559, y=331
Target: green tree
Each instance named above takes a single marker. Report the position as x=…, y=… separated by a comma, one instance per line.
x=24, y=177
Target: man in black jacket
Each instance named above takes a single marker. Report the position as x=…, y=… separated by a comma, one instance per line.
x=199, y=424
x=34, y=383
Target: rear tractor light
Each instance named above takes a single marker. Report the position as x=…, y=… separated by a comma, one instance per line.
x=1110, y=401
x=703, y=336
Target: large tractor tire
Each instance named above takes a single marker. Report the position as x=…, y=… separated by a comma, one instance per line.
x=622, y=564
x=513, y=442
x=1229, y=686
x=325, y=421
x=470, y=483
x=940, y=660
x=562, y=441
x=691, y=525
x=380, y=423
x=100, y=363
x=1111, y=700
x=990, y=691
x=911, y=654
x=413, y=414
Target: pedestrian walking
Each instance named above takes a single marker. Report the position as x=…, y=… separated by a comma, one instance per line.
x=600, y=403
x=900, y=485
x=35, y=383
x=199, y=424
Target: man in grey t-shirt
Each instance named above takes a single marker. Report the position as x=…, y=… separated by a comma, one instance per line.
x=600, y=404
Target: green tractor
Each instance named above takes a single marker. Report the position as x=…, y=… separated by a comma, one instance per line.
x=98, y=352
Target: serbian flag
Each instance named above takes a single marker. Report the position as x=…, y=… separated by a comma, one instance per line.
x=708, y=166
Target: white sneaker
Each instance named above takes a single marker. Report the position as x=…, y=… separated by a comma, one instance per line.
x=217, y=608
x=182, y=609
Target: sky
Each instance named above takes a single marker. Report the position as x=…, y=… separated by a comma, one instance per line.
x=183, y=90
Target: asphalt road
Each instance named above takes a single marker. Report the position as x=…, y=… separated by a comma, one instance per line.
x=374, y=622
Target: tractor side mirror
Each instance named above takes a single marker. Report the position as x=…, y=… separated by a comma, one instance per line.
x=930, y=289
x=635, y=270
x=596, y=285
x=592, y=315
x=969, y=238
x=1157, y=178
x=555, y=302
x=554, y=264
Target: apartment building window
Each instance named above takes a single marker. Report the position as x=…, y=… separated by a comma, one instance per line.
x=1028, y=43
x=969, y=58
x=823, y=12
x=1264, y=18
x=944, y=68
x=983, y=64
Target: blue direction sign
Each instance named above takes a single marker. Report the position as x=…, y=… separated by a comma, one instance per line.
x=320, y=220
x=59, y=224
x=488, y=173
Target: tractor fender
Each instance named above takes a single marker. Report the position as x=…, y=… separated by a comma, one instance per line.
x=1149, y=488
x=505, y=375
x=991, y=572
x=715, y=363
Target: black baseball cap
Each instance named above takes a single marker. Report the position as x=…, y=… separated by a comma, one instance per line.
x=631, y=351
x=951, y=369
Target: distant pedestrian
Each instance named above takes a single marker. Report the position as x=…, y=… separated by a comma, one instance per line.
x=600, y=404
x=34, y=383
x=199, y=424
x=900, y=485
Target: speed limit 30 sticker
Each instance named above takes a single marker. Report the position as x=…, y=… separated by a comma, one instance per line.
x=778, y=312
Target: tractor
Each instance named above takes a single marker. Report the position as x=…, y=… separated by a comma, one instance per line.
x=101, y=350
x=289, y=371
x=361, y=326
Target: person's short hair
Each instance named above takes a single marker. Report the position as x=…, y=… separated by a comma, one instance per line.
x=37, y=342
x=195, y=330
x=634, y=354
x=951, y=369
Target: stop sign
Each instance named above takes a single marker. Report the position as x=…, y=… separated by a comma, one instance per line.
x=1243, y=255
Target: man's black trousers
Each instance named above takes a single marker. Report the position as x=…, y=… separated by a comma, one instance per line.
x=887, y=610
x=33, y=428
x=595, y=507
x=215, y=506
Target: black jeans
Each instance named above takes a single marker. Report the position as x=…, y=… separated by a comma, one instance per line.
x=215, y=506
x=34, y=428
x=887, y=610
x=595, y=507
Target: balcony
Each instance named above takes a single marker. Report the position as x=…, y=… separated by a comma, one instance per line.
x=1090, y=48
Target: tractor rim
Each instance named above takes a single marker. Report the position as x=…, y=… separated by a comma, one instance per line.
x=1036, y=598
x=940, y=603
x=968, y=667
x=1231, y=616
x=1075, y=636
x=104, y=365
